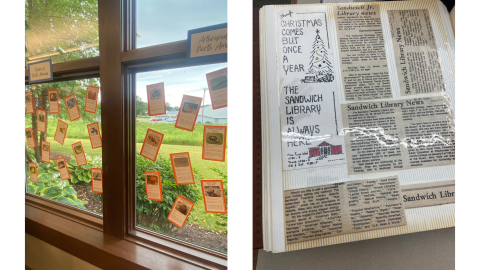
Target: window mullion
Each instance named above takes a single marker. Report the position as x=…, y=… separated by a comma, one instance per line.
x=113, y=115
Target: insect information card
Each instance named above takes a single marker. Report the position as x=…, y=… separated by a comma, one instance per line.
x=156, y=99
x=42, y=120
x=97, y=180
x=213, y=196
x=29, y=102
x=151, y=144
x=32, y=168
x=72, y=107
x=61, y=132
x=182, y=168
x=217, y=86
x=94, y=134
x=62, y=168
x=153, y=184
x=45, y=151
x=53, y=103
x=79, y=154
x=91, y=99
x=29, y=135
x=180, y=211
x=187, y=116
x=214, y=143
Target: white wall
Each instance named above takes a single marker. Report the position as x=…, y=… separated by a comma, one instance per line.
x=40, y=255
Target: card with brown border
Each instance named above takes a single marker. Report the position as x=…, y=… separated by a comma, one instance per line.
x=97, y=180
x=214, y=196
x=182, y=168
x=180, y=211
x=62, y=168
x=53, y=103
x=214, y=143
x=29, y=102
x=32, y=168
x=151, y=144
x=45, y=151
x=41, y=120
x=29, y=136
x=72, y=107
x=91, y=99
x=94, y=134
x=79, y=154
x=217, y=86
x=187, y=115
x=153, y=185
x=61, y=132
x=156, y=99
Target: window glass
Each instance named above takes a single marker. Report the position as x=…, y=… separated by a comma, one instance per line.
x=161, y=22
x=201, y=228
x=56, y=153
x=61, y=30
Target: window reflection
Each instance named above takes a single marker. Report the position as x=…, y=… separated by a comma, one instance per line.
x=60, y=30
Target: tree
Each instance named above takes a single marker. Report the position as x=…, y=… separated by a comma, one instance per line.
x=320, y=66
x=62, y=30
x=141, y=106
x=40, y=91
x=169, y=107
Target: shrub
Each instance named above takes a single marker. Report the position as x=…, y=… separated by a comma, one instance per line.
x=83, y=173
x=153, y=214
x=51, y=186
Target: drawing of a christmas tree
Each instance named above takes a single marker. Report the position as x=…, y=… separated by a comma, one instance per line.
x=320, y=67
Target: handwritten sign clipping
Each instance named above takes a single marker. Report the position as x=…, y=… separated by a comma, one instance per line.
x=309, y=99
x=40, y=71
x=207, y=43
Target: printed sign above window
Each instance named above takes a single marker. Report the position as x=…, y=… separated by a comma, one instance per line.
x=207, y=43
x=40, y=71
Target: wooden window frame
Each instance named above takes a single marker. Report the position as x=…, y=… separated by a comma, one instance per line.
x=89, y=236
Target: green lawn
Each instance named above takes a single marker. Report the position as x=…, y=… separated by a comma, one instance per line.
x=205, y=220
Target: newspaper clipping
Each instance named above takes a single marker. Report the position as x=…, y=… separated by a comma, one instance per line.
x=398, y=134
x=341, y=208
x=362, y=54
x=416, y=55
x=428, y=194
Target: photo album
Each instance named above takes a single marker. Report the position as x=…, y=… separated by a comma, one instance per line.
x=358, y=121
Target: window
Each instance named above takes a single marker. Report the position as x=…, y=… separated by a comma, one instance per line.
x=161, y=22
x=103, y=55
x=60, y=30
x=60, y=175
x=201, y=228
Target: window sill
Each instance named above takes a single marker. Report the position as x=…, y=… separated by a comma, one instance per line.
x=88, y=242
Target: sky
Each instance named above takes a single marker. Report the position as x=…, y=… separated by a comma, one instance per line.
x=168, y=21
x=177, y=82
